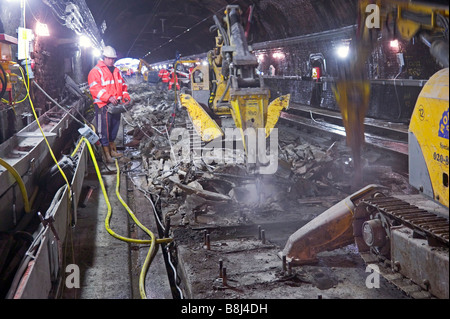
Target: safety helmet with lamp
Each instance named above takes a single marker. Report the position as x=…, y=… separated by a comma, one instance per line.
x=109, y=52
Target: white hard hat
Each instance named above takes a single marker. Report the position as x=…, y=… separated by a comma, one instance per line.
x=109, y=52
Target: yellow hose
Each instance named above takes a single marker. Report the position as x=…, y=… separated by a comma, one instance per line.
x=45, y=138
x=151, y=241
x=19, y=181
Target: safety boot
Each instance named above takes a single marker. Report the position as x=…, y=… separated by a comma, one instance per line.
x=107, y=155
x=113, y=149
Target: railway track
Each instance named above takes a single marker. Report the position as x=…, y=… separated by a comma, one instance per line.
x=391, y=137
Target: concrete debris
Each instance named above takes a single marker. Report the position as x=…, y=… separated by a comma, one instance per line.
x=208, y=190
x=215, y=206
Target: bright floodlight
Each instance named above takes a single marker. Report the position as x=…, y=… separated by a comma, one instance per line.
x=42, y=29
x=394, y=44
x=342, y=51
x=85, y=41
x=96, y=53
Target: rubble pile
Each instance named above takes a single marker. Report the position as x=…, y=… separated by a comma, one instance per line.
x=199, y=189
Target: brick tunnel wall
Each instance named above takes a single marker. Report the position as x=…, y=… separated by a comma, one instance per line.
x=390, y=100
x=53, y=57
x=49, y=72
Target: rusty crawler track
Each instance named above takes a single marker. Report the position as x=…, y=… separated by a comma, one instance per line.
x=419, y=219
x=429, y=225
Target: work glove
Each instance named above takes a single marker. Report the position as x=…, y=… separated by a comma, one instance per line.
x=113, y=100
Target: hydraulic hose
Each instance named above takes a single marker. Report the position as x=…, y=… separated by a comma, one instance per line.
x=19, y=181
x=153, y=241
x=14, y=102
x=3, y=80
x=45, y=138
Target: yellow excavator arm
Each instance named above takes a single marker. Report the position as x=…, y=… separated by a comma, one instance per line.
x=231, y=85
x=405, y=19
x=143, y=63
x=386, y=228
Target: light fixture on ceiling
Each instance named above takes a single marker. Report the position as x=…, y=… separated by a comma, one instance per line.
x=42, y=29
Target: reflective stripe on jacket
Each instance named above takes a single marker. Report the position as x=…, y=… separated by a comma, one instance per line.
x=103, y=84
x=164, y=75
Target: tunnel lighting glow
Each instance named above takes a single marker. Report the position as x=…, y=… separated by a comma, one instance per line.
x=278, y=55
x=205, y=63
x=96, y=53
x=85, y=41
x=42, y=29
x=342, y=51
x=394, y=44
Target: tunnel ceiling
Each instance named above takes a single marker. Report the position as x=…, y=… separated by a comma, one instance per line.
x=163, y=27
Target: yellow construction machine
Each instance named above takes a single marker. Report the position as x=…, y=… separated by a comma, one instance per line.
x=403, y=239
x=228, y=85
x=147, y=68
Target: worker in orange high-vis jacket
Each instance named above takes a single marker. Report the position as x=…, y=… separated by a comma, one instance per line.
x=165, y=78
x=108, y=89
x=173, y=80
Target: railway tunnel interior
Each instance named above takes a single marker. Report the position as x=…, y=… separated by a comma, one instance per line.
x=221, y=230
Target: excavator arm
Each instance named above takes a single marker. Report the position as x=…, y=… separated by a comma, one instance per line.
x=142, y=64
x=402, y=240
x=231, y=86
x=397, y=19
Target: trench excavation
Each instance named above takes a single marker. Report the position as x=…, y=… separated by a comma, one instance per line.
x=230, y=226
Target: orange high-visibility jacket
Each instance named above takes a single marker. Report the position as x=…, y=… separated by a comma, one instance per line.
x=103, y=84
x=164, y=75
x=173, y=80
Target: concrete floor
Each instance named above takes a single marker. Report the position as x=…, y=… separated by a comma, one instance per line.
x=109, y=267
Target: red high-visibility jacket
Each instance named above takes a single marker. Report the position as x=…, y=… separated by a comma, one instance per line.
x=173, y=80
x=103, y=84
x=164, y=75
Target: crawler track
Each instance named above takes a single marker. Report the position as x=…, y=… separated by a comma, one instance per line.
x=429, y=226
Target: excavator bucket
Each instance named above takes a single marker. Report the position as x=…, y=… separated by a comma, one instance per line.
x=206, y=127
x=274, y=111
x=330, y=230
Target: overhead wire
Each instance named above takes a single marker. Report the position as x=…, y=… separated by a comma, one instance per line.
x=187, y=30
x=155, y=7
